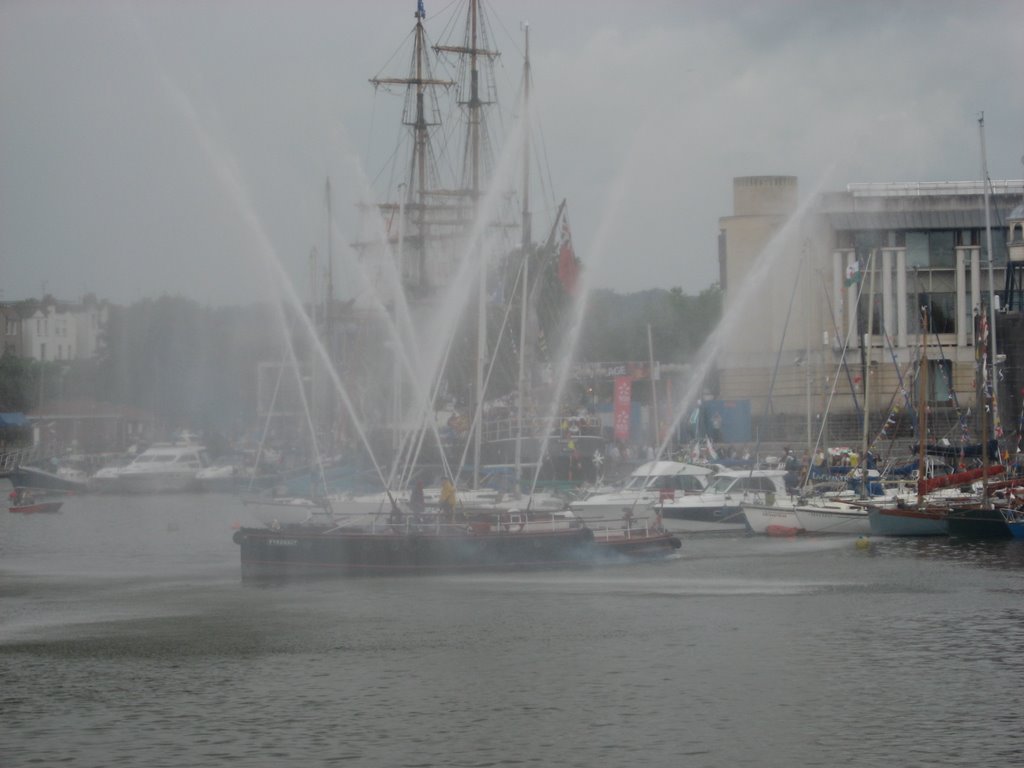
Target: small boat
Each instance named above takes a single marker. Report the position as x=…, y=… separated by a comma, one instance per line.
x=830, y=516
x=39, y=507
x=720, y=508
x=771, y=517
x=635, y=538
x=908, y=520
x=995, y=522
x=59, y=478
x=164, y=467
x=648, y=484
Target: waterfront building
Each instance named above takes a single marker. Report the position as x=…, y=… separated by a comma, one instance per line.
x=48, y=329
x=843, y=276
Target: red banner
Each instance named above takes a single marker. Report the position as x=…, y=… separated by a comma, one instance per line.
x=623, y=406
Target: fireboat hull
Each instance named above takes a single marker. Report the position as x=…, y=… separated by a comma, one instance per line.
x=297, y=551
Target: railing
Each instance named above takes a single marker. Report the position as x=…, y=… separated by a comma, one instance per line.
x=11, y=460
x=618, y=528
x=504, y=523
x=575, y=427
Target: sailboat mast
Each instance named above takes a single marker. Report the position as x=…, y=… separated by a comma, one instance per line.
x=481, y=318
x=330, y=264
x=655, y=431
x=922, y=407
x=991, y=280
x=418, y=83
x=419, y=156
x=328, y=307
x=524, y=285
x=472, y=187
x=867, y=377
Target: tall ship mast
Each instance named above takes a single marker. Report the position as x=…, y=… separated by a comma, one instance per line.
x=470, y=55
x=437, y=185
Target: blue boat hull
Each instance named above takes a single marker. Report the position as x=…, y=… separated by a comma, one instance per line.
x=907, y=522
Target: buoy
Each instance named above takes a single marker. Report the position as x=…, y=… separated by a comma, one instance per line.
x=863, y=542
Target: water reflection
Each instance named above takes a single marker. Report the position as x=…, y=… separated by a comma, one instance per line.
x=1006, y=554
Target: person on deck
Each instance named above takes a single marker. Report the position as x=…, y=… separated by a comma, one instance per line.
x=792, y=466
x=448, y=500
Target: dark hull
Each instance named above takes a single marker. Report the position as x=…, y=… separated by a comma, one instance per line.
x=979, y=524
x=637, y=545
x=40, y=479
x=297, y=551
x=704, y=519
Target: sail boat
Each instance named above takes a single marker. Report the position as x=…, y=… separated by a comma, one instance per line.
x=393, y=537
x=987, y=521
x=920, y=519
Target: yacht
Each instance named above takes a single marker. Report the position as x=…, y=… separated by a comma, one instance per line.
x=719, y=508
x=164, y=467
x=649, y=484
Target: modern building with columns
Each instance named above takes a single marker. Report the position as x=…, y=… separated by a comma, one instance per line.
x=832, y=288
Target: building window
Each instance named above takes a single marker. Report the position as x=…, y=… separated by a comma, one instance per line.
x=42, y=351
x=917, y=250
x=941, y=251
x=940, y=381
x=931, y=250
x=998, y=246
x=941, y=308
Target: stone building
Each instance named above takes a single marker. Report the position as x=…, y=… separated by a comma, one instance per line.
x=48, y=329
x=832, y=290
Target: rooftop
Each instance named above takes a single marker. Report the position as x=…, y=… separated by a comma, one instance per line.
x=933, y=188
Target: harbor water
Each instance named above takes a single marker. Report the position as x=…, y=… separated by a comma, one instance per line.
x=128, y=639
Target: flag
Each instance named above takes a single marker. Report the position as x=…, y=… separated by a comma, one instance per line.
x=853, y=274
x=419, y=10
x=623, y=405
x=568, y=264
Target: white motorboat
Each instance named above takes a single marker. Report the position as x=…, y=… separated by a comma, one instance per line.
x=648, y=485
x=164, y=467
x=720, y=507
x=104, y=479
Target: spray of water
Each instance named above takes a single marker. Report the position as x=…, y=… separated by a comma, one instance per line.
x=424, y=356
x=226, y=171
x=754, y=281
x=567, y=348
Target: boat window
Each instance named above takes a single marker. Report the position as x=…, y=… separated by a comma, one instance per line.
x=721, y=485
x=688, y=483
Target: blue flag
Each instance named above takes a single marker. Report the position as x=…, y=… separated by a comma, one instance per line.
x=420, y=11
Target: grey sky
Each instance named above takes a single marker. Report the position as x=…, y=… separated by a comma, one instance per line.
x=122, y=125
